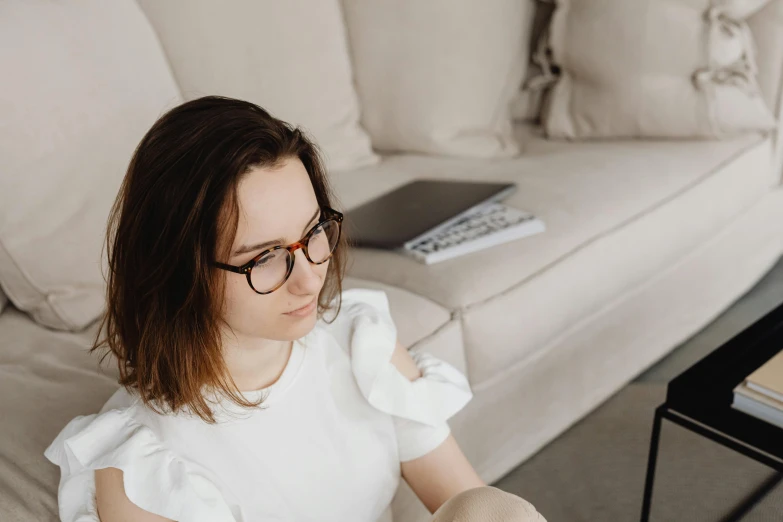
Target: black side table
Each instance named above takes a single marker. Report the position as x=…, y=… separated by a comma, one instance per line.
x=699, y=399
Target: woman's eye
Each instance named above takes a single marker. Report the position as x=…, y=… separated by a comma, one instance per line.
x=264, y=260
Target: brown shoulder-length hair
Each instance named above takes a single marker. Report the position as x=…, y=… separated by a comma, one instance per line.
x=175, y=213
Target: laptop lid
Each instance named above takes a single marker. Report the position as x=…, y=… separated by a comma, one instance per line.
x=392, y=219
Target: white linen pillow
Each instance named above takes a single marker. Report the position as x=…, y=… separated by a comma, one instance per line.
x=438, y=77
x=82, y=83
x=290, y=57
x=654, y=68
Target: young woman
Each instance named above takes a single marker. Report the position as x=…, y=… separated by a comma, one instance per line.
x=253, y=388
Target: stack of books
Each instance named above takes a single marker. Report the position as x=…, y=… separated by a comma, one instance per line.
x=761, y=393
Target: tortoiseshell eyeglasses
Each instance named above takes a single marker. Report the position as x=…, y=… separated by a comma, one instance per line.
x=270, y=269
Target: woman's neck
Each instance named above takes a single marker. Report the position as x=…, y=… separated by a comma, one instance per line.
x=258, y=364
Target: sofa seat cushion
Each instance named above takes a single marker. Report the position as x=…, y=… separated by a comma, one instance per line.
x=46, y=379
x=616, y=212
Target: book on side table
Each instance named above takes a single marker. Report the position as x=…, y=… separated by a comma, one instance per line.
x=761, y=393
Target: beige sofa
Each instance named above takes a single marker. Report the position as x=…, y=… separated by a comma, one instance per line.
x=646, y=242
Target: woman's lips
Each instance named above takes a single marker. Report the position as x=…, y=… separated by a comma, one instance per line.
x=305, y=310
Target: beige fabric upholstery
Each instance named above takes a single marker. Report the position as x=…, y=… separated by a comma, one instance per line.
x=89, y=83
x=616, y=212
x=437, y=76
x=46, y=379
x=289, y=57
x=532, y=402
x=594, y=357
x=3, y=301
x=669, y=69
x=583, y=191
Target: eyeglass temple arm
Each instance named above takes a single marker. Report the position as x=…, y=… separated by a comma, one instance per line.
x=330, y=212
x=230, y=268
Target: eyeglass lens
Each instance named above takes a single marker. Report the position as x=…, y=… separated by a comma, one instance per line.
x=271, y=269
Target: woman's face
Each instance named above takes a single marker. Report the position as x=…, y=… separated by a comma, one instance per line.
x=273, y=204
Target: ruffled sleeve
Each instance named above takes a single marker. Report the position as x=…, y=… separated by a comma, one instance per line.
x=155, y=478
x=420, y=407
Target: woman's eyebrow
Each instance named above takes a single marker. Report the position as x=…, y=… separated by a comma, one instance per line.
x=279, y=241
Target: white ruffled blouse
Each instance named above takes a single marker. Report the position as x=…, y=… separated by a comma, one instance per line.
x=326, y=445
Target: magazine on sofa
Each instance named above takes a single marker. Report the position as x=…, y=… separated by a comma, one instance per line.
x=489, y=225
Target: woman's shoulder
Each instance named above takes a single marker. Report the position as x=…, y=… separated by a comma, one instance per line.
x=362, y=311
x=365, y=329
x=128, y=407
x=156, y=478
x=122, y=399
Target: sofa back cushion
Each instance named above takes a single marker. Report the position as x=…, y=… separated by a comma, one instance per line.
x=290, y=57
x=82, y=82
x=654, y=68
x=438, y=77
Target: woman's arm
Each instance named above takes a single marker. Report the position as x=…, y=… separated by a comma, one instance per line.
x=440, y=474
x=443, y=472
x=112, y=503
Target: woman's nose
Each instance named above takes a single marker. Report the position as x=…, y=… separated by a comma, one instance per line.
x=304, y=273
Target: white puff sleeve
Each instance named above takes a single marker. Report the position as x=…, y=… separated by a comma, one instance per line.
x=155, y=478
x=420, y=407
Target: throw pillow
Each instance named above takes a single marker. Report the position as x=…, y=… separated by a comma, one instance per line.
x=82, y=82
x=290, y=57
x=654, y=68
x=438, y=77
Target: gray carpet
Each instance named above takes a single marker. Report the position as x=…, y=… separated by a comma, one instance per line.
x=595, y=471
